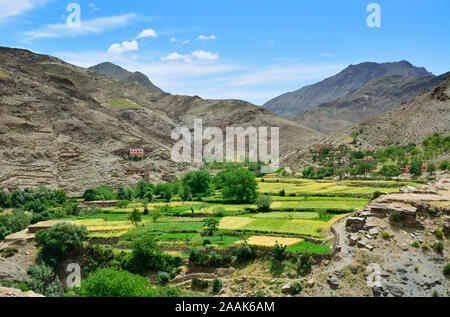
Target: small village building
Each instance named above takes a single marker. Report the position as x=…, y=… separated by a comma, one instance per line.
x=136, y=152
x=424, y=167
x=405, y=169
x=320, y=147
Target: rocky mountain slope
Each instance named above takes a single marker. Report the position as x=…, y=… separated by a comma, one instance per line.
x=69, y=127
x=349, y=79
x=120, y=73
x=412, y=122
x=376, y=96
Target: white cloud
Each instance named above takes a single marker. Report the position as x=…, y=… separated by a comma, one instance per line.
x=326, y=55
x=177, y=57
x=124, y=47
x=198, y=55
x=95, y=26
x=206, y=38
x=186, y=41
x=173, y=39
x=147, y=33
x=205, y=55
x=11, y=8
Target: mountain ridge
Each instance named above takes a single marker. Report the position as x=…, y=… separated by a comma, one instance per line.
x=331, y=88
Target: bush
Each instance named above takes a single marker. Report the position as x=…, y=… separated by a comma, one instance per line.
x=196, y=185
x=217, y=285
x=278, y=252
x=386, y=235
x=446, y=270
x=146, y=256
x=415, y=244
x=112, y=283
x=263, y=202
x=239, y=186
x=43, y=280
x=211, y=226
x=96, y=257
x=376, y=195
x=396, y=216
x=244, y=253
x=163, y=278
x=296, y=288
x=18, y=220
x=438, y=246
x=199, y=284
x=439, y=233
x=209, y=260
x=425, y=246
x=304, y=265
x=9, y=251
x=59, y=242
x=122, y=204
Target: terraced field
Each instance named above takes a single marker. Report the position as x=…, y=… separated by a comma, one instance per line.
x=308, y=209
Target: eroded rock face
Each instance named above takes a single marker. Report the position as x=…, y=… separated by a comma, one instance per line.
x=12, y=292
x=355, y=224
x=11, y=271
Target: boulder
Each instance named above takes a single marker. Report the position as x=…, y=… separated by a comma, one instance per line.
x=353, y=239
x=354, y=224
x=12, y=292
x=373, y=232
x=333, y=281
x=286, y=289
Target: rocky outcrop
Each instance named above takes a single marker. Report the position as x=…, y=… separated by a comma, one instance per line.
x=12, y=292
x=11, y=271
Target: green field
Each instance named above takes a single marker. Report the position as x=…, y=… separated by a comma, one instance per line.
x=123, y=104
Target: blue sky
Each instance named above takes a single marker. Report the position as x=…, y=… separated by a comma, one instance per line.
x=246, y=49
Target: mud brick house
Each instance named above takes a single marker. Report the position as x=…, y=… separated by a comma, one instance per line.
x=320, y=147
x=136, y=152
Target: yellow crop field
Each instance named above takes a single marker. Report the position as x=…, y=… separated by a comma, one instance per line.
x=268, y=241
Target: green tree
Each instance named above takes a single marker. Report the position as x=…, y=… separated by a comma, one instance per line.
x=5, y=201
x=431, y=168
x=135, y=217
x=263, y=202
x=61, y=196
x=155, y=214
x=364, y=168
x=390, y=171
x=61, y=241
x=240, y=186
x=416, y=168
x=142, y=188
x=43, y=280
x=304, y=265
x=198, y=184
x=309, y=172
x=211, y=226
x=90, y=195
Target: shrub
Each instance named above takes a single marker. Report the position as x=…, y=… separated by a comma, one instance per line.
x=396, y=216
x=43, y=280
x=278, y=252
x=439, y=233
x=199, y=284
x=122, y=204
x=135, y=217
x=416, y=268
x=446, y=270
x=18, y=220
x=217, y=285
x=9, y=251
x=244, y=253
x=146, y=256
x=113, y=283
x=282, y=193
x=96, y=257
x=209, y=260
x=60, y=241
x=438, y=246
x=376, y=195
x=425, y=246
x=415, y=244
x=386, y=235
x=296, y=288
x=304, y=264
x=211, y=226
x=163, y=278
x=263, y=202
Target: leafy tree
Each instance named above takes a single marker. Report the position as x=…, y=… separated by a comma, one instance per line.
x=125, y=193
x=61, y=196
x=309, y=172
x=122, y=204
x=155, y=214
x=239, y=186
x=17, y=198
x=164, y=191
x=43, y=280
x=109, y=282
x=211, y=226
x=5, y=227
x=364, y=168
x=324, y=172
x=18, y=220
x=142, y=188
x=90, y=195
x=60, y=241
x=444, y=165
x=431, y=168
x=416, y=168
x=263, y=202
x=5, y=201
x=135, y=217
x=390, y=171
x=198, y=184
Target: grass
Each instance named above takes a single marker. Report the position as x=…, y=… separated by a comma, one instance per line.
x=299, y=227
x=309, y=247
x=124, y=104
x=286, y=215
x=3, y=75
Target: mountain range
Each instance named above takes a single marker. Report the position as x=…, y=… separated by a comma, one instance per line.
x=69, y=127
x=351, y=78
